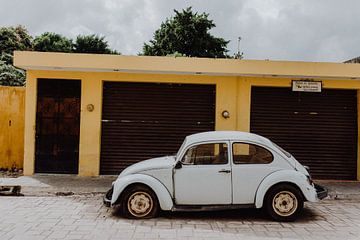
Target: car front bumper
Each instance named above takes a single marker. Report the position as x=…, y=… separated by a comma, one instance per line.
x=321, y=191
x=107, y=197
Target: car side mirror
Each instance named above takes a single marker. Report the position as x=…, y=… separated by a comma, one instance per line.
x=178, y=165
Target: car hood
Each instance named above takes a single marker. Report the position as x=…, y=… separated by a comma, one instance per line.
x=166, y=162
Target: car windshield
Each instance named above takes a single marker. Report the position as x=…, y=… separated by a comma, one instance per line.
x=180, y=149
x=282, y=150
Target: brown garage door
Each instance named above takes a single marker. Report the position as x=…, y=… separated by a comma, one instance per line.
x=146, y=120
x=319, y=129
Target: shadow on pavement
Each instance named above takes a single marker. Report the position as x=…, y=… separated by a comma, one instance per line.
x=245, y=214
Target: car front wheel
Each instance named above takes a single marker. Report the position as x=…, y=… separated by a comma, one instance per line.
x=140, y=202
x=284, y=202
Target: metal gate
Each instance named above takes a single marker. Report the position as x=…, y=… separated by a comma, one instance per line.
x=146, y=120
x=57, y=126
x=319, y=129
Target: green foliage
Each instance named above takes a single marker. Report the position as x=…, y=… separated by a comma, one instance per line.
x=14, y=38
x=11, y=76
x=17, y=38
x=186, y=33
x=176, y=54
x=52, y=42
x=6, y=58
x=92, y=44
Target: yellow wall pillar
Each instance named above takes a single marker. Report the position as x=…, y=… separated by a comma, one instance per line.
x=226, y=101
x=358, y=146
x=30, y=123
x=244, y=103
x=90, y=127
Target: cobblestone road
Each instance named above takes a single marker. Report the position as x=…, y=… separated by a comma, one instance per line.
x=84, y=217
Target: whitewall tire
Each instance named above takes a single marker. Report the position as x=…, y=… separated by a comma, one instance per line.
x=140, y=202
x=284, y=202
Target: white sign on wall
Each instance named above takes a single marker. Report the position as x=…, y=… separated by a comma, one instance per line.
x=306, y=86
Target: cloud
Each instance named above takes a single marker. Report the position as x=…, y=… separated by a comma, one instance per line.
x=301, y=30
x=305, y=30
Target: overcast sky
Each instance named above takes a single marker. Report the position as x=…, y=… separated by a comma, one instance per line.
x=305, y=30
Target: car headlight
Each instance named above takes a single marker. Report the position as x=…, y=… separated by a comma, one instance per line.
x=310, y=181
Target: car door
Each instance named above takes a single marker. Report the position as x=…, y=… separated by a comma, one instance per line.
x=205, y=175
x=251, y=164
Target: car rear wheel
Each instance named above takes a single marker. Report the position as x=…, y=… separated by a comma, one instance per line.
x=140, y=202
x=284, y=202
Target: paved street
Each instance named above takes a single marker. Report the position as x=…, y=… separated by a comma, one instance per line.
x=84, y=217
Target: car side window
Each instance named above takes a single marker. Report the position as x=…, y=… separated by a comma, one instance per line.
x=206, y=154
x=244, y=153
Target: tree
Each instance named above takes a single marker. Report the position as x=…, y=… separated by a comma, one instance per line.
x=11, y=76
x=92, y=44
x=14, y=38
x=52, y=42
x=186, y=33
x=17, y=38
x=6, y=58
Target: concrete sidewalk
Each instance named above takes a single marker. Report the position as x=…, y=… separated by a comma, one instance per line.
x=54, y=184
x=346, y=190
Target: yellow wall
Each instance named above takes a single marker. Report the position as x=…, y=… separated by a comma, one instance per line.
x=30, y=119
x=232, y=94
x=12, y=100
x=90, y=127
x=183, y=65
x=90, y=122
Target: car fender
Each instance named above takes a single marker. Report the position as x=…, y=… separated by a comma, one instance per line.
x=285, y=176
x=163, y=195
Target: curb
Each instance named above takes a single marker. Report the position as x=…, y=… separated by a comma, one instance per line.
x=342, y=196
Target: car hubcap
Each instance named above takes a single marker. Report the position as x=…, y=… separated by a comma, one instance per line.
x=285, y=203
x=140, y=204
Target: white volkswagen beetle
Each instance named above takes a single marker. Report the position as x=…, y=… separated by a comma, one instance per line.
x=217, y=170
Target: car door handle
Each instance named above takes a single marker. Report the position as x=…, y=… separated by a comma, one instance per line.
x=224, y=171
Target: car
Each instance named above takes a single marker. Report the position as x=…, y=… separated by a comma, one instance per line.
x=215, y=171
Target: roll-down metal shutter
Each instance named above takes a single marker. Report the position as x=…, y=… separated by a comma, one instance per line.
x=146, y=120
x=319, y=129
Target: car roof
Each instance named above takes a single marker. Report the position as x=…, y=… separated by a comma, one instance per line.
x=225, y=135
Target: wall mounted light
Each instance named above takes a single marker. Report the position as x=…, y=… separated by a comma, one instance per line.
x=90, y=107
x=225, y=114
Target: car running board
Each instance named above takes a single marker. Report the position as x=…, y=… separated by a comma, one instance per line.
x=190, y=208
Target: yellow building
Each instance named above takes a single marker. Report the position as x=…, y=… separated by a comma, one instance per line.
x=12, y=106
x=95, y=114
